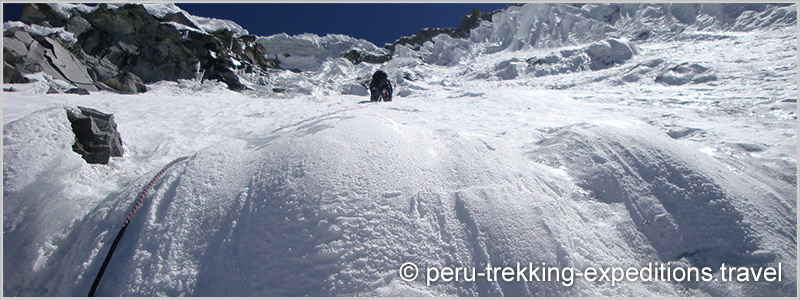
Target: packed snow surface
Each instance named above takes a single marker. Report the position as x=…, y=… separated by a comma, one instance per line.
x=548, y=138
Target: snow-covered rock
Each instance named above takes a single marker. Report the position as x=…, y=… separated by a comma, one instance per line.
x=606, y=53
x=685, y=73
x=306, y=52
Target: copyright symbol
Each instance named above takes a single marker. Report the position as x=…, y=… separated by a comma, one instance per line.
x=408, y=271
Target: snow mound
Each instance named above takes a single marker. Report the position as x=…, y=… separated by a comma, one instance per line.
x=306, y=213
x=646, y=69
x=609, y=52
x=332, y=207
x=686, y=73
x=32, y=157
x=685, y=203
x=336, y=204
x=40, y=171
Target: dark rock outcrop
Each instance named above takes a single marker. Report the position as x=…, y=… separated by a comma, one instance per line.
x=12, y=75
x=357, y=57
x=77, y=91
x=96, y=135
x=245, y=47
x=43, y=15
x=137, y=42
x=127, y=83
x=26, y=53
x=122, y=48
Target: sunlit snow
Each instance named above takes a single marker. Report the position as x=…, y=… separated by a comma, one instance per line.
x=514, y=146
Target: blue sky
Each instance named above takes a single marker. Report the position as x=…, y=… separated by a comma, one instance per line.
x=377, y=23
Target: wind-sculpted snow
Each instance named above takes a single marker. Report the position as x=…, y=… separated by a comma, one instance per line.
x=685, y=73
x=306, y=52
x=554, y=25
x=335, y=205
x=686, y=205
x=541, y=26
x=330, y=208
x=672, y=140
x=597, y=56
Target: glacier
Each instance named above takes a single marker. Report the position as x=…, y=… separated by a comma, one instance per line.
x=577, y=136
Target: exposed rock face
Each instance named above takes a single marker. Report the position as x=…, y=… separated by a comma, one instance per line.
x=127, y=83
x=77, y=91
x=96, y=135
x=12, y=75
x=138, y=43
x=357, y=57
x=246, y=47
x=43, y=15
x=26, y=53
x=122, y=48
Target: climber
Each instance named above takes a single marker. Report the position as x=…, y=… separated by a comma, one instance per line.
x=380, y=87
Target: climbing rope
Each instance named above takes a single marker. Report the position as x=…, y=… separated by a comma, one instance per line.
x=139, y=201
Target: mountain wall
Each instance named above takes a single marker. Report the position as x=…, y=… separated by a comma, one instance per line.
x=121, y=48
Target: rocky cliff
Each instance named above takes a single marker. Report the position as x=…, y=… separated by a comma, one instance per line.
x=121, y=48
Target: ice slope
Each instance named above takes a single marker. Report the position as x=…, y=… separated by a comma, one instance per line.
x=310, y=192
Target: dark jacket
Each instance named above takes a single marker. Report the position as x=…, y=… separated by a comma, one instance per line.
x=379, y=83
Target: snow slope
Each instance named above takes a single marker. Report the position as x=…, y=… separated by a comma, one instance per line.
x=484, y=158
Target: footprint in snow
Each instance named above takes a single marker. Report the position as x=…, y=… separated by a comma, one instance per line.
x=391, y=194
